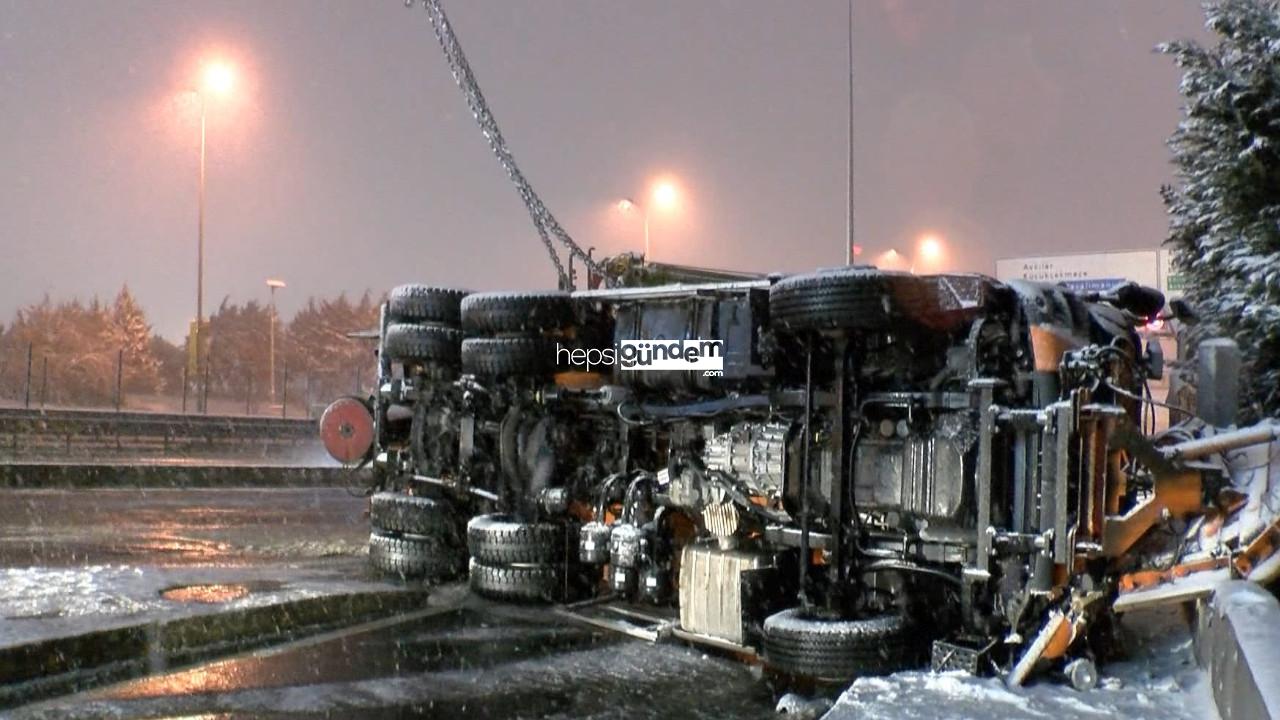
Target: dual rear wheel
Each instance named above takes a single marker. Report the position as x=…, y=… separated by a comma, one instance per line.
x=414, y=537
x=513, y=560
x=417, y=538
x=514, y=334
x=424, y=327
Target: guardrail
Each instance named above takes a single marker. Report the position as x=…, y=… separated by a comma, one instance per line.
x=60, y=434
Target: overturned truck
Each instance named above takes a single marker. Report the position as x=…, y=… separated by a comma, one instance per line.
x=884, y=470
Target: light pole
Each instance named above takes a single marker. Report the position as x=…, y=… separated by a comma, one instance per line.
x=195, y=333
x=271, y=351
x=928, y=253
x=629, y=205
x=217, y=78
x=664, y=195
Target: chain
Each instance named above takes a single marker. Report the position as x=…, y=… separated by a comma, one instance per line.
x=545, y=223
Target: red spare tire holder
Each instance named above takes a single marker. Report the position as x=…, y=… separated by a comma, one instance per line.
x=346, y=429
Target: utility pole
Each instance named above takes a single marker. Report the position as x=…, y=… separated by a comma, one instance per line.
x=848, y=246
x=200, y=250
x=218, y=78
x=26, y=403
x=271, y=351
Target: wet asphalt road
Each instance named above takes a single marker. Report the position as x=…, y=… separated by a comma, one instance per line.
x=174, y=527
x=465, y=658
x=482, y=661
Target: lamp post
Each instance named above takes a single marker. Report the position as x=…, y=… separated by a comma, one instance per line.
x=217, y=78
x=629, y=205
x=271, y=351
x=929, y=251
x=663, y=195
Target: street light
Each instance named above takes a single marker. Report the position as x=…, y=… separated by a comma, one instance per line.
x=929, y=252
x=664, y=196
x=930, y=248
x=627, y=205
x=271, y=352
x=891, y=259
x=218, y=78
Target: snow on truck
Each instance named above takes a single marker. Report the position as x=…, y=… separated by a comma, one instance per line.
x=843, y=472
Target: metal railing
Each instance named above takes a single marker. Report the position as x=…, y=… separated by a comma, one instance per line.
x=33, y=434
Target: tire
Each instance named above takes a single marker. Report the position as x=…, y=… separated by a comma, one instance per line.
x=399, y=513
x=502, y=540
x=518, y=583
x=798, y=643
x=850, y=299
x=506, y=357
x=422, y=303
x=408, y=342
x=414, y=556
x=487, y=313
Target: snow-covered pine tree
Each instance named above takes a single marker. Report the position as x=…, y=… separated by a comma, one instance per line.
x=1225, y=210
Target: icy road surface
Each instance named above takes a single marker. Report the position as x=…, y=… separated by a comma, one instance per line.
x=487, y=661
x=41, y=603
x=78, y=560
x=494, y=661
x=178, y=527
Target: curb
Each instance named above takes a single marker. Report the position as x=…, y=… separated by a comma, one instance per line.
x=1237, y=642
x=88, y=475
x=60, y=666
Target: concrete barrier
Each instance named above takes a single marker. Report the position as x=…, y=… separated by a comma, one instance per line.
x=64, y=665
x=107, y=475
x=1237, y=641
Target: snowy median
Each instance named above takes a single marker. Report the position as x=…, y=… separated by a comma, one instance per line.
x=64, y=629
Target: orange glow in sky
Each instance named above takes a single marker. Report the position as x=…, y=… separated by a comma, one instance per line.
x=218, y=77
x=930, y=248
x=665, y=195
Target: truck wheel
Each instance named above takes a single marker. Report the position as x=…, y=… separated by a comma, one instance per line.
x=851, y=299
x=485, y=313
x=408, y=342
x=502, y=540
x=505, y=357
x=414, y=556
x=400, y=513
x=798, y=642
x=423, y=303
x=518, y=583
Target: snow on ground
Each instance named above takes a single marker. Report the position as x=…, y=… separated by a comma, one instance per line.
x=36, y=593
x=44, y=602
x=1160, y=680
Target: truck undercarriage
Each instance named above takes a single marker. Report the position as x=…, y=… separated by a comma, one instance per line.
x=888, y=470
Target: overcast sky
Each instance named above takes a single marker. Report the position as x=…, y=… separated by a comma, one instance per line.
x=345, y=158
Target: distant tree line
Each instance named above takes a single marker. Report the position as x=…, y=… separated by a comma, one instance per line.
x=83, y=343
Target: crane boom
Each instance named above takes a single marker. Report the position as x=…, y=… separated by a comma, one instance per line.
x=543, y=220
